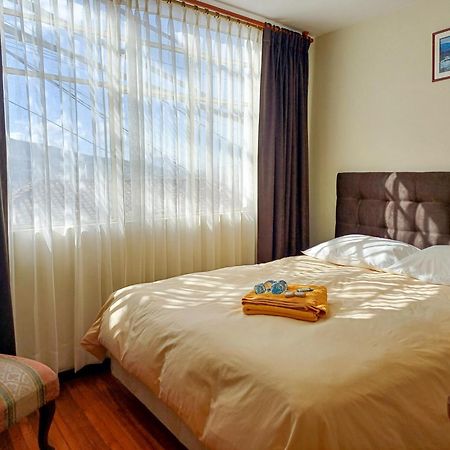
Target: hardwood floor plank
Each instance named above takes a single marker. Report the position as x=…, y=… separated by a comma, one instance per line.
x=74, y=422
x=94, y=412
x=104, y=417
x=56, y=437
x=13, y=439
x=139, y=414
x=5, y=441
x=29, y=432
x=95, y=417
x=105, y=388
x=143, y=423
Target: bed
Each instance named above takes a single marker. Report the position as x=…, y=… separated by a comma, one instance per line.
x=374, y=374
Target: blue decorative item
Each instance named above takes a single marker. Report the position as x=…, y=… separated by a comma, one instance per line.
x=279, y=287
x=260, y=288
x=275, y=287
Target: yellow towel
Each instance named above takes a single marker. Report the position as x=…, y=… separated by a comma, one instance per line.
x=282, y=312
x=310, y=308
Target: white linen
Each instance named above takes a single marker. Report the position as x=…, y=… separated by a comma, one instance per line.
x=132, y=139
x=431, y=264
x=374, y=374
x=359, y=250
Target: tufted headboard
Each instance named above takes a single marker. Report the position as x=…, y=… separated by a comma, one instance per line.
x=412, y=207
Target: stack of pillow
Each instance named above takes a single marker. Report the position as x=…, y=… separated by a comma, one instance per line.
x=431, y=264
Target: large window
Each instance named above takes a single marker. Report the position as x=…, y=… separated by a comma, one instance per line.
x=94, y=87
x=131, y=146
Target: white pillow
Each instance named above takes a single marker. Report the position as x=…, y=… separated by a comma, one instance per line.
x=362, y=251
x=431, y=264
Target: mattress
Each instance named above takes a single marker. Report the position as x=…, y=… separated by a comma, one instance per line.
x=374, y=374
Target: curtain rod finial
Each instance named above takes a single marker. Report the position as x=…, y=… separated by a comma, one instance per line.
x=307, y=35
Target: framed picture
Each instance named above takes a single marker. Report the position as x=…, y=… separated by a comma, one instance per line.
x=441, y=55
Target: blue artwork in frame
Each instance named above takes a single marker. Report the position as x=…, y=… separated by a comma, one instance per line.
x=441, y=55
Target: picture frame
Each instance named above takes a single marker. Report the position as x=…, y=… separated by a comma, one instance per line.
x=441, y=55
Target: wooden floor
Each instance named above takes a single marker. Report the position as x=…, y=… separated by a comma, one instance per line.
x=94, y=412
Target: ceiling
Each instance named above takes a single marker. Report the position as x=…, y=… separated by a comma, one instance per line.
x=317, y=16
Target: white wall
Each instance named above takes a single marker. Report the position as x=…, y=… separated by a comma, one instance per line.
x=374, y=107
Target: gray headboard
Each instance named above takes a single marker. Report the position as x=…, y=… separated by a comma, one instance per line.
x=412, y=207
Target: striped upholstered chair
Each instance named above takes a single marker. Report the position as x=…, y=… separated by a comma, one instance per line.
x=26, y=386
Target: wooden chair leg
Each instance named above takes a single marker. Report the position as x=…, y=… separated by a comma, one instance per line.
x=46, y=414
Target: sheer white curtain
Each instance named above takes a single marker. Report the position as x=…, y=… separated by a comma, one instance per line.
x=132, y=138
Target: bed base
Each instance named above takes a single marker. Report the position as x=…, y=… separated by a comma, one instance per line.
x=157, y=407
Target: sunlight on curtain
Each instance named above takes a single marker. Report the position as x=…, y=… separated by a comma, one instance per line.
x=132, y=139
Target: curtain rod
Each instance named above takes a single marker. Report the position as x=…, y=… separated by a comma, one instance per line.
x=207, y=7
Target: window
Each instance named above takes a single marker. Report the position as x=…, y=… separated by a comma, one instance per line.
x=132, y=136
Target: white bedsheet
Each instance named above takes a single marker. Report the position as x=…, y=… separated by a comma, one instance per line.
x=375, y=374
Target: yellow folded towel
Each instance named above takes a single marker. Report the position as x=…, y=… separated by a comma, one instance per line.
x=310, y=308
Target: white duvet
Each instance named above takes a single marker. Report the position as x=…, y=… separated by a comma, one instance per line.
x=375, y=374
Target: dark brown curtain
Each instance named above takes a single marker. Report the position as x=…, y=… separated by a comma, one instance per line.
x=7, y=342
x=283, y=205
